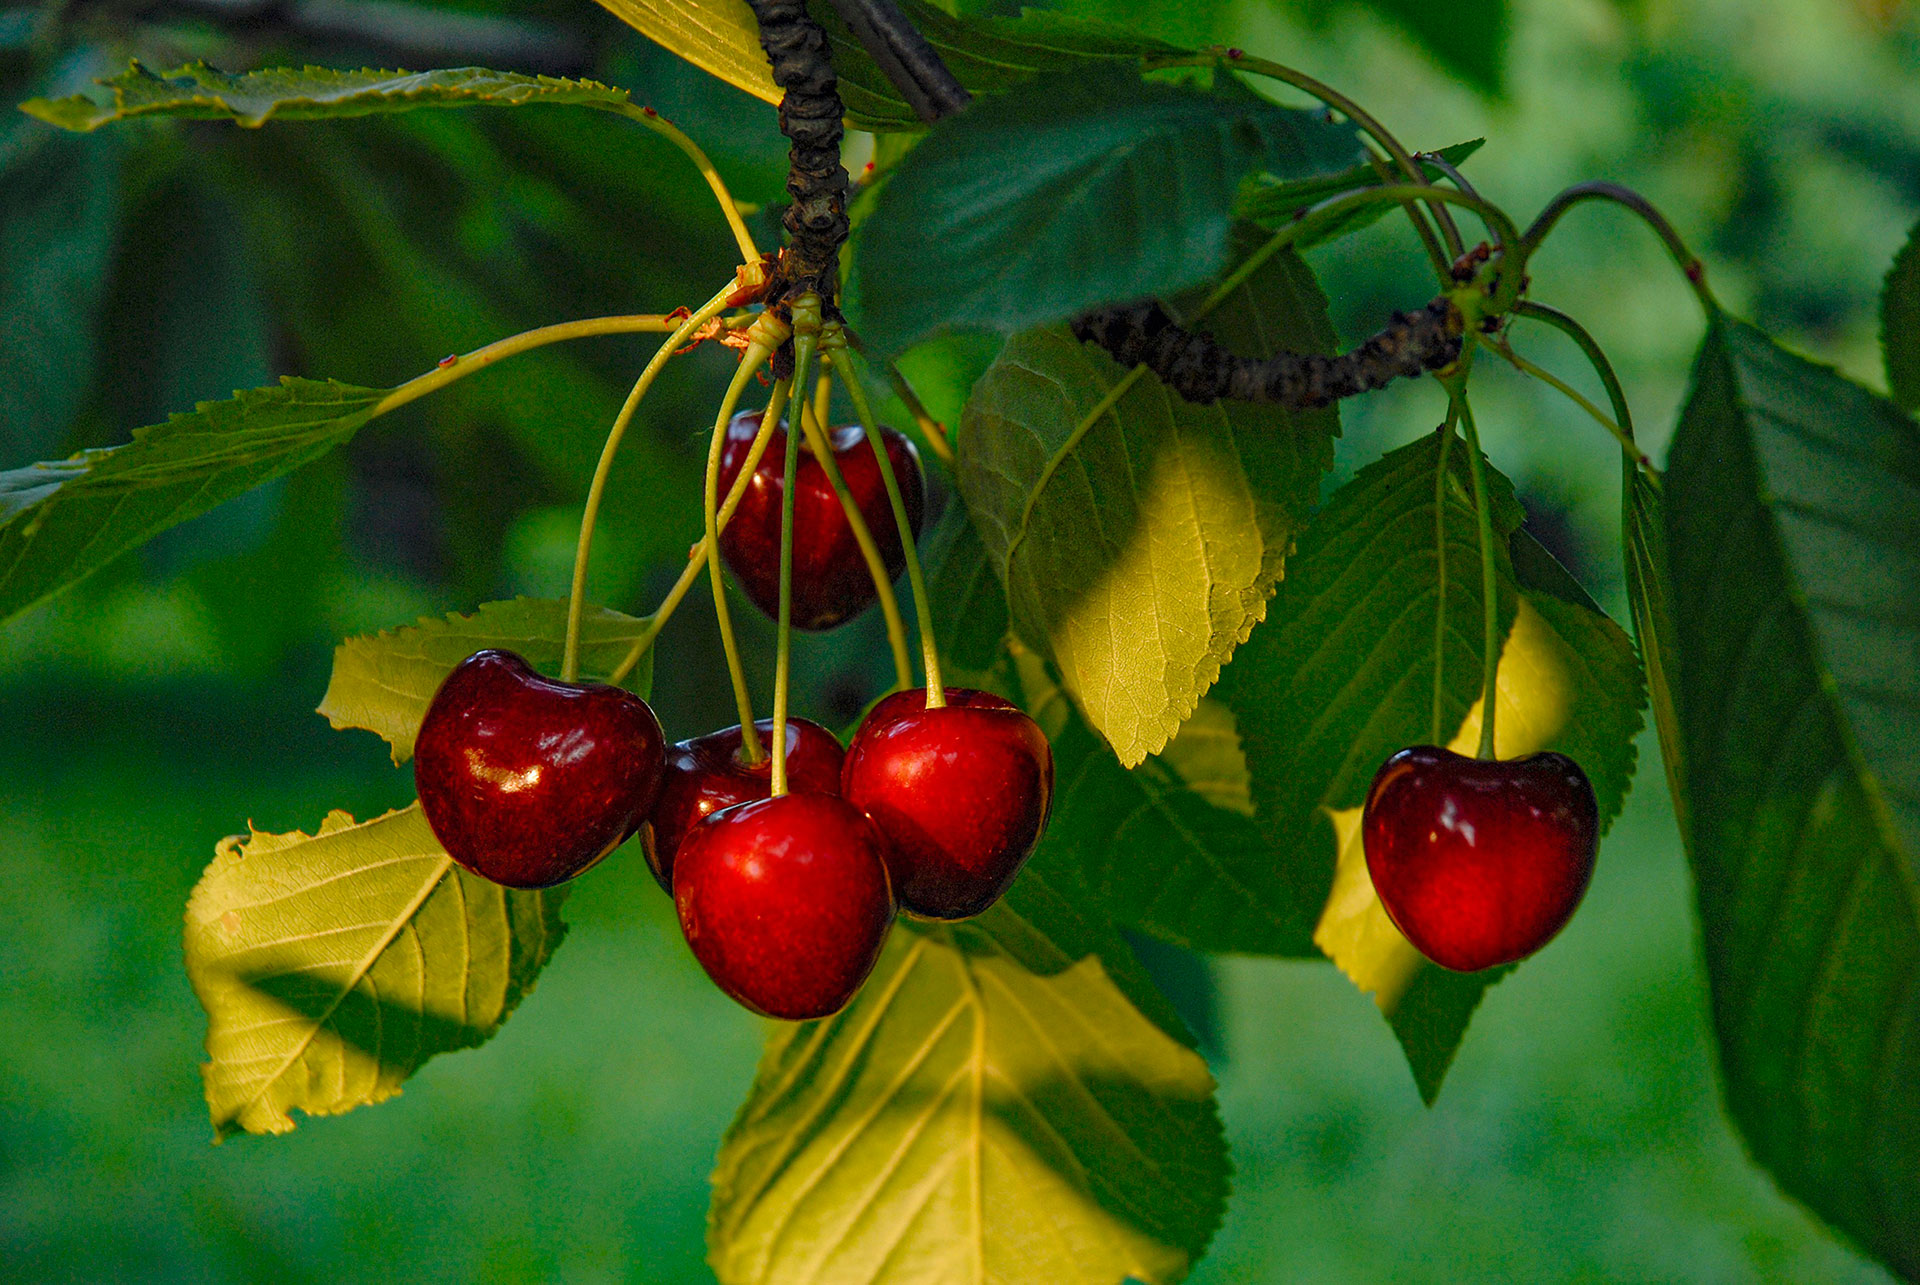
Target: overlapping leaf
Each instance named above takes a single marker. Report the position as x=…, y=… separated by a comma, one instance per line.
x=1793, y=523
x=200, y=92
x=332, y=965
x=383, y=682
x=995, y=1105
x=1900, y=324
x=987, y=54
x=62, y=520
x=1275, y=202
x=1026, y=208
x=1342, y=674
x=1126, y=551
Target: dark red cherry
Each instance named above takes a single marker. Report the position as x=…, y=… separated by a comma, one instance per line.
x=707, y=773
x=961, y=794
x=527, y=781
x=1479, y=862
x=831, y=583
x=785, y=902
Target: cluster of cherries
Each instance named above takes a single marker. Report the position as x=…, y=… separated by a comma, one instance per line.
x=786, y=901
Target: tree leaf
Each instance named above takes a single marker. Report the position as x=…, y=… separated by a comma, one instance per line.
x=332, y=965
x=199, y=92
x=62, y=520
x=992, y=1106
x=383, y=682
x=986, y=54
x=1275, y=202
x=1138, y=556
x=1793, y=522
x=1341, y=675
x=1650, y=595
x=1068, y=192
x=1468, y=39
x=59, y=215
x=1900, y=324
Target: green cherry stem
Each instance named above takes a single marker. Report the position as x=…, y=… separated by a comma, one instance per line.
x=729, y=208
x=822, y=449
x=922, y=607
x=932, y=431
x=1489, y=578
x=759, y=348
x=1578, y=398
x=577, y=596
x=1609, y=380
x=806, y=312
x=1690, y=265
x=1440, y=549
x=697, y=557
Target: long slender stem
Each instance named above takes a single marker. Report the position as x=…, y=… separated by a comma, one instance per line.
x=697, y=557
x=1578, y=398
x=822, y=448
x=1421, y=228
x=922, y=606
x=1597, y=358
x=806, y=338
x=1440, y=548
x=932, y=431
x=577, y=595
x=756, y=355
x=500, y=349
x=728, y=206
x=1625, y=197
x=1489, y=579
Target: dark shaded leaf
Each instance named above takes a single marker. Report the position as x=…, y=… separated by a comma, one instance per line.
x=1900, y=324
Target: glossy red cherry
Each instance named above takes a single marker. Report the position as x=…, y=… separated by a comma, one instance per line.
x=527, y=781
x=961, y=794
x=785, y=902
x=1479, y=862
x=707, y=773
x=831, y=583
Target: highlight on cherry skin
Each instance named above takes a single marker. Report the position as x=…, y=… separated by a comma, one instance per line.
x=1479, y=862
x=707, y=773
x=529, y=781
x=961, y=794
x=785, y=902
x=831, y=582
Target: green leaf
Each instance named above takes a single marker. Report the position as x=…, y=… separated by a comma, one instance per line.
x=200, y=92
x=384, y=682
x=1138, y=556
x=1066, y=193
x=1793, y=523
x=1650, y=595
x=1341, y=675
x=62, y=520
x=1275, y=202
x=1900, y=324
x=992, y=1106
x=987, y=54
x=59, y=214
x=1467, y=38
x=332, y=965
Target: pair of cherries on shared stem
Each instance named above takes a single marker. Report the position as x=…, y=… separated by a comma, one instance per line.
x=786, y=902
x=1479, y=862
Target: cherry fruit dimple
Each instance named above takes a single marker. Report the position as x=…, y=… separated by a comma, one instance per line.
x=785, y=902
x=1479, y=862
x=708, y=773
x=528, y=781
x=961, y=794
x=831, y=583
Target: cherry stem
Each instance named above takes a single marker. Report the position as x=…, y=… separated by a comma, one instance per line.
x=1628, y=199
x=766, y=336
x=728, y=206
x=697, y=558
x=806, y=312
x=1574, y=395
x=479, y=359
x=1597, y=358
x=1489, y=578
x=823, y=394
x=1440, y=547
x=577, y=596
x=932, y=431
x=822, y=448
x=922, y=608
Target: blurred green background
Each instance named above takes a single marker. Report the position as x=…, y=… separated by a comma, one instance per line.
x=167, y=702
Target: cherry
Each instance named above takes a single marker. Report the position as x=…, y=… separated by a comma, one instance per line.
x=961, y=794
x=1479, y=862
x=785, y=902
x=527, y=781
x=831, y=583
x=707, y=773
